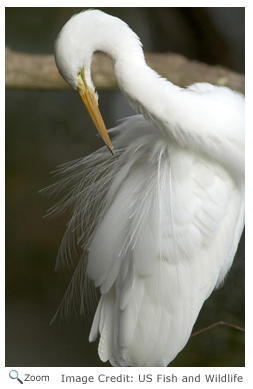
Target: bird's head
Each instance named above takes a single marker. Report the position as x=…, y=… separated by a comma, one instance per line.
x=74, y=48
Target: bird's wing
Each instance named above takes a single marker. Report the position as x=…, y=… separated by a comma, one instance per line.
x=167, y=238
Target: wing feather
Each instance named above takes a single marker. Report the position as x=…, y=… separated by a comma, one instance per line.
x=168, y=243
x=165, y=228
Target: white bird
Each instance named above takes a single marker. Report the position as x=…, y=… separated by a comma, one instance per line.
x=157, y=224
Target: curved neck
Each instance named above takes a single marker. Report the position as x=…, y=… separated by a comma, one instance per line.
x=206, y=119
x=203, y=118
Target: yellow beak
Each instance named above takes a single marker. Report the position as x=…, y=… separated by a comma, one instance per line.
x=88, y=98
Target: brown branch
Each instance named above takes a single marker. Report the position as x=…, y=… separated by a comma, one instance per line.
x=218, y=323
x=37, y=71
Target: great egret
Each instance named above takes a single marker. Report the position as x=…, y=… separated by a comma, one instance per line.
x=157, y=224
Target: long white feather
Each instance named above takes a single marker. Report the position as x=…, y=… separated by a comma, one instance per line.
x=166, y=225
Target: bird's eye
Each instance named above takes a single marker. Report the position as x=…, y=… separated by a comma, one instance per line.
x=80, y=74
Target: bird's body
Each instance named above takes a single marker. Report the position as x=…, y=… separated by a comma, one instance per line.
x=158, y=223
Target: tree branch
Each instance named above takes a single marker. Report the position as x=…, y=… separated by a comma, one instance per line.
x=38, y=72
x=218, y=323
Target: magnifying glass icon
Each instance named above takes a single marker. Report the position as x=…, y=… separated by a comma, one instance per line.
x=13, y=374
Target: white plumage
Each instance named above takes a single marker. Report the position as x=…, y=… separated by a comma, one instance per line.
x=156, y=225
